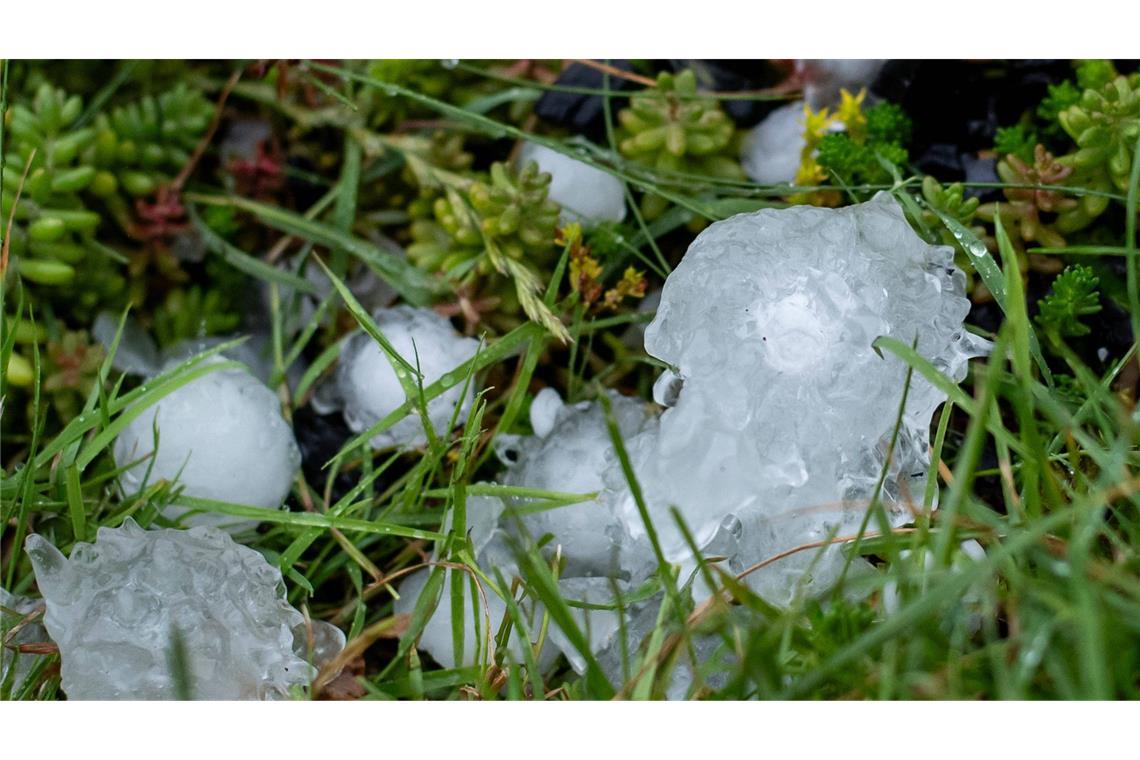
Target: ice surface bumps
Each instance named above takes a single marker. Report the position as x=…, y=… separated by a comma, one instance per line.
x=780, y=412
x=366, y=389
x=222, y=437
x=117, y=607
x=785, y=410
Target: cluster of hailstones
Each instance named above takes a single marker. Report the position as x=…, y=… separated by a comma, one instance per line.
x=779, y=414
x=778, y=417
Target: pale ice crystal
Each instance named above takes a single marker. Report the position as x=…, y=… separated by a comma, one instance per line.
x=569, y=454
x=222, y=437
x=784, y=409
x=779, y=415
x=366, y=389
x=118, y=608
x=586, y=194
x=770, y=151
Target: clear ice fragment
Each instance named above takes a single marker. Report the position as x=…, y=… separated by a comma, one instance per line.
x=119, y=607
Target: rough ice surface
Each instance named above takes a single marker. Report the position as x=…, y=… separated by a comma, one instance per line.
x=770, y=151
x=779, y=415
x=571, y=456
x=365, y=386
x=587, y=195
x=784, y=410
x=117, y=607
x=824, y=78
x=15, y=610
x=317, y=642
x=222, y=437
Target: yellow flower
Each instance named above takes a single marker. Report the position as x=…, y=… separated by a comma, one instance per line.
x=816, y=125
x=850, y=112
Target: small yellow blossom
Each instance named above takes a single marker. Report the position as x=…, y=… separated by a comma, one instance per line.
x=816, y=125
x=850, y=113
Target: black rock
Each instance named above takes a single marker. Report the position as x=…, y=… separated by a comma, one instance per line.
x=320, y=437
x=583, y=113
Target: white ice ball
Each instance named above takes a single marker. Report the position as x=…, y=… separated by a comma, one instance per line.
x=366, y=387
x=222, y=437
x=770, y=151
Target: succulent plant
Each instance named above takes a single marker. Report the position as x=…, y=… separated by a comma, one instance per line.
x=506, y=225
x=951, y=201
x=1074, y=295
x=53, y=229
x=678, y=132
x=73, y=170
x=1105, y=124
x=881, y=131
x=193, y=313
x=1026, y=205
x=71, y=369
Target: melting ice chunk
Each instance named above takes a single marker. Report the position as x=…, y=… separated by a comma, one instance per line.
x=571, y=458
x=586, y=194
x=786, y=409
x=366, y=389
x=119, y=607
x=222, y=437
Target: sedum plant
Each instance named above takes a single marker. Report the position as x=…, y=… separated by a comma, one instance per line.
x=1074, y=295
x=503, y=226
x=678, y=132
x=75, y=171
x=1105, y=125
x=1041, y=213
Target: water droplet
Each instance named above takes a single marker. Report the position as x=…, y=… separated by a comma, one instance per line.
x=449, y=63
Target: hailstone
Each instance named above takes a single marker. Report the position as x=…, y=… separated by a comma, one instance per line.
x=783, y=410
x=770, y=151
x=586, y=194
x=569, y=453
x=366, y=389
x=482, y=622
x=119, y=607
x=222, y=437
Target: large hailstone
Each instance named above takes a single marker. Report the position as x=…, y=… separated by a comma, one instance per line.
x=366, y=389
x=222, y=437
x=115, y=607
x=783, y=410
x=570, y=451
x=586, y=194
